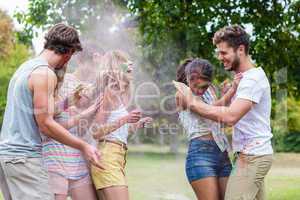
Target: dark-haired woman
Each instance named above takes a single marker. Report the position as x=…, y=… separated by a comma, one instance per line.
x=207, y=163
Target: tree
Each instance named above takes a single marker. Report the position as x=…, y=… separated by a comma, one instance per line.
x=174, y=30
x=82, y=14
x=12, y=54
x=6, y=34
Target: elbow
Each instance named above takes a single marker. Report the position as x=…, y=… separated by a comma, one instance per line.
x=230, y=120
x=44, y=126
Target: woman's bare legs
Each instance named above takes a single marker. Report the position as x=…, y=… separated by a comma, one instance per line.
x=222, y=186
x=206, y=188
x=100, y=195
x=113, y=193
x=86, y=192
x=61, y=197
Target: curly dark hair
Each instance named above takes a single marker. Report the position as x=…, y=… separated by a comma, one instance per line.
x=200, y=66
x=62, y=39
x=180, y=73
x=234, y=35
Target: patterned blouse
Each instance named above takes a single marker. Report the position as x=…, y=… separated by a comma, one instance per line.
x=196, y=125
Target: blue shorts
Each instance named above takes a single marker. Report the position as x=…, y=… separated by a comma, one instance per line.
x=205, y=159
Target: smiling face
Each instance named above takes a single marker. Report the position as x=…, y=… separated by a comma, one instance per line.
x=228, y=56
x=198, y=84
x=127, y=68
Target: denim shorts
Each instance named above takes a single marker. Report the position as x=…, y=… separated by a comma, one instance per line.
x=205, y=159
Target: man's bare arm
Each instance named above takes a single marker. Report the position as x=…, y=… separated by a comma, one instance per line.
x=42, y=82
x=228, y=115
x=226, y=98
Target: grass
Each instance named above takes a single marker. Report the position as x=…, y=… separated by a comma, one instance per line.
x=155, y=174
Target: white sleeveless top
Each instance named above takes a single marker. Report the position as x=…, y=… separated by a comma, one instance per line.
x=121, y=134
x=196, y=125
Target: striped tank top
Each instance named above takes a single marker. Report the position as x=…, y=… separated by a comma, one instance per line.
x=59, y=158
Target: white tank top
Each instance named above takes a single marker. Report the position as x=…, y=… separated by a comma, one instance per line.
x=121, y=134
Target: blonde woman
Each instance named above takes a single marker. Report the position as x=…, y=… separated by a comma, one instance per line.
x=117, y=122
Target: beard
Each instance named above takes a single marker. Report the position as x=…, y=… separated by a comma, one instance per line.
x=235, y=63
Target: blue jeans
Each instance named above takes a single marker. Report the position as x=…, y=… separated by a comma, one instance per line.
x=204, y=159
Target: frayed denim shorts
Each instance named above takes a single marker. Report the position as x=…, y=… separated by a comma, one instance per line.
x=205, y=159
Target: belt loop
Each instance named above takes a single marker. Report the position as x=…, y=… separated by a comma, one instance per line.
x=124, y=146
x=104, y=141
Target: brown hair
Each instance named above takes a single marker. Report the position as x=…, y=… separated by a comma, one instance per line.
x=234, y=35
x=180, y=73
x=62, y=39
x=200, y=66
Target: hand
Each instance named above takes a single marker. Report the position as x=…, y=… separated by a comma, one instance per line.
x=180, y=101
x=92, y=155
x=181, y=87
x=225, y=86
x=183, y=94
x=144, y=122
x=236, y=80
x=134, y=116
x=92, y=109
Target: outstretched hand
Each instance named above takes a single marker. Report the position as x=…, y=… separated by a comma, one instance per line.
x=134, y=116
x=144, y=122
x=92, y=109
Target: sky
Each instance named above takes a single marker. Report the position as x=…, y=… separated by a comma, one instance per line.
x=10, y=6
x=13, y=4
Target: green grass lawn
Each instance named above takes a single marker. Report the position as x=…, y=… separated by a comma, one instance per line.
x=154, y=174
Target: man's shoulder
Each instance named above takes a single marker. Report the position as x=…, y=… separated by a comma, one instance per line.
x=254, y=76
x=44, y=71
x=37, y=61
x=43, y=76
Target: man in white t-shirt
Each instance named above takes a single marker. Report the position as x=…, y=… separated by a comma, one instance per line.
x=249, y=113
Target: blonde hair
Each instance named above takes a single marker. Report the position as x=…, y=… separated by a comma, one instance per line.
x=111, y=74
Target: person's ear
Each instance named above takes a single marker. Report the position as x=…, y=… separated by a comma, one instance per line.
x=241, y=50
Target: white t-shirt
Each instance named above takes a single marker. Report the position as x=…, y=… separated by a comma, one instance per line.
x=252, y=133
